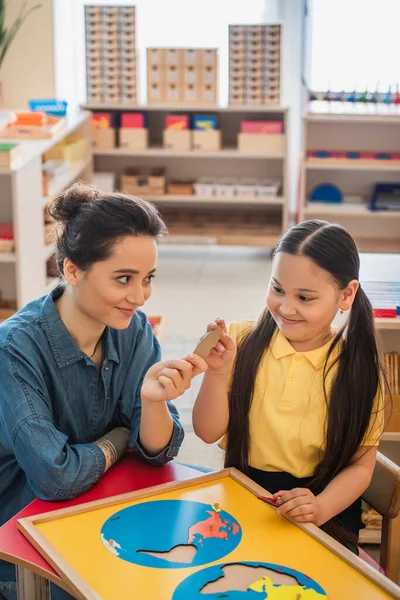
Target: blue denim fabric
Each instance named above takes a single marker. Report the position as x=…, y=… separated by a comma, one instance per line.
x=54, y=403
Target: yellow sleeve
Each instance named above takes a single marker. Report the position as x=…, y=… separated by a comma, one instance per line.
x=377, y=421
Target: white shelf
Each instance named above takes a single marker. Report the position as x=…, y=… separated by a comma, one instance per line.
x=8, y=257
x=192, y=199
x=49, y=250
x=64, y=180
x=352, y=165
x=31, y=149
x=265, y=108
x=160, y=152
x=51, y=283
x=348, y=210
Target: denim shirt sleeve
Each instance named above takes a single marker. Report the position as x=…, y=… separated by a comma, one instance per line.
x=153, y=355
x=54, y=469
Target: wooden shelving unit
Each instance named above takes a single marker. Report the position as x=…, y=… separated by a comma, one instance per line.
x=272, y=213
x=374, y=231
x=22, y=203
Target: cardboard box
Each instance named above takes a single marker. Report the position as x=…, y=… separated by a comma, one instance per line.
x=261, y=127
x=177, y=122
x=104, y=138
x=208, y=94
x=173, y=92
x=132, y=119
x=191, y=74
x=177, y=140
x=173, y=75
x=156, y=93
x=209, y=57
x=192, y=57
x=207, y=140
x=261, y=143
x=174, y=56
x=135, y=138
x=180, y=188
x=208, y=75
x=191, y=93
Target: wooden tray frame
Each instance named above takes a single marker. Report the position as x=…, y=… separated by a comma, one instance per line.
x=83, y=591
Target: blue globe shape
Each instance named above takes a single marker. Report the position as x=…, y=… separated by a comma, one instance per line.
x=150, y=533
x=264, y=586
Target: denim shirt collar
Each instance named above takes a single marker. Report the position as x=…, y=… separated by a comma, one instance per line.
x=62, y=344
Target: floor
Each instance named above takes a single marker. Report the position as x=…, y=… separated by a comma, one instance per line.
x=196, y=284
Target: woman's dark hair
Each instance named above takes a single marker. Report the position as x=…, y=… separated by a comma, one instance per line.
x=355, y=385
x=89, y=223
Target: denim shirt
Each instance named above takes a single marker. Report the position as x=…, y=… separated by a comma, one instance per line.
x=54, y=403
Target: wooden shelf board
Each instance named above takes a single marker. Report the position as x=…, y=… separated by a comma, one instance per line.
x=64, y=180
x=352, y=119
x=378, y=245
x=193, y=199
x=8, y=257
x=337, y=164
x=160, y=152
x=245, y=238
x=370, y=536
x=266, y=108
x=387, y=324
x=348, y=210
x=391, y=436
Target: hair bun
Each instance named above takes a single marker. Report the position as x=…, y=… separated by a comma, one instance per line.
x=68, y=204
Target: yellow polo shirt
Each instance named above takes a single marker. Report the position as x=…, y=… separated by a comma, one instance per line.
x=288, y=412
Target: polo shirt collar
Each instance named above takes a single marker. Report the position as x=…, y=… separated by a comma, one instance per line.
x=281, y=347
x=62, y=343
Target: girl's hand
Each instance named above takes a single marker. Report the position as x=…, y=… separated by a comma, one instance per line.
x=299, y=504
x=222, y=356
x=169, y=379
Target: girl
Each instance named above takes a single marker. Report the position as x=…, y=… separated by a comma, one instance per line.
x=80, y=374
x=303, y=413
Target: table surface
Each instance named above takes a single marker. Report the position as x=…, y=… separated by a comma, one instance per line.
x=129, y=475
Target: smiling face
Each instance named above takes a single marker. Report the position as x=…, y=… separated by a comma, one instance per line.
x=304, y=299
x=113, y=289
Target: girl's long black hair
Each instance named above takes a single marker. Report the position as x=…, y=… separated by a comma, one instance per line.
x=355, y=385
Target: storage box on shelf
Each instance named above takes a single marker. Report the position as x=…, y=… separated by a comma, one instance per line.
x=254, y=64
x=23, y=201
x=338, y=182
x=185, y=76
x=111, y=54
x=215, y=174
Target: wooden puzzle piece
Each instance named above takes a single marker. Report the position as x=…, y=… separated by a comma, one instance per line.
x=269, y=500
x=208, y=342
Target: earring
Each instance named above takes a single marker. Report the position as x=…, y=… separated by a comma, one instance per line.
x=341, y=311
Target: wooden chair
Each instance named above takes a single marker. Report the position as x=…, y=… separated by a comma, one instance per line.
x=383, y=495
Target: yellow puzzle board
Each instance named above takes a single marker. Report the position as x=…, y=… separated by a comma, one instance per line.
x=70, y=540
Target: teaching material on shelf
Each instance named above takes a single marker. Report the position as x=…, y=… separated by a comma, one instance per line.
x=385, y=196
x=157, y=323
x=133, y=137
x=254, y=64
x=9, y=151
x=151, y=183
x=177, y=122
x=204, y=122
x=261, y=127
x=110, y=54
x=136, y=120
x=261, y=143
x=72, y=149
x=6, y=237
x=51, y=106
x=182, y=75
x=33, y=126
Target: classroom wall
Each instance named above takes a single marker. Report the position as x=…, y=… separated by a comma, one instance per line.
x=28, y=69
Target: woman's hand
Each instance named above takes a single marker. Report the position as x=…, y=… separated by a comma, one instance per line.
x=169, y=379
x=222, y=356
x=299, y=504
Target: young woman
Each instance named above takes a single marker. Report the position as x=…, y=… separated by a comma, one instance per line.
x=80, y=374
x=300, y=405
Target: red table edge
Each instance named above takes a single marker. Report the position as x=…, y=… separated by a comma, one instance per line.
x=165, y=474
